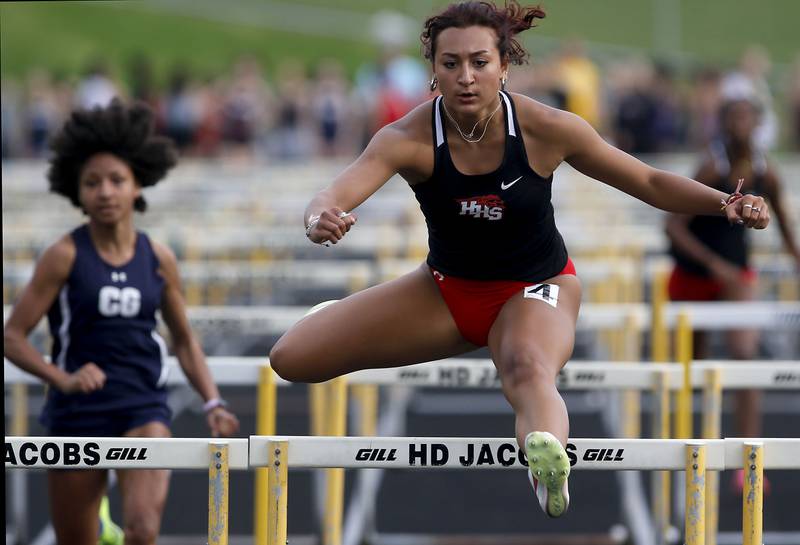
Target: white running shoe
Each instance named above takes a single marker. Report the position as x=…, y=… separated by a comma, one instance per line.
x=548, y=469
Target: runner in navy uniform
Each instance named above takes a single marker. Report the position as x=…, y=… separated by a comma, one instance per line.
x=102, y=284
x=711, y=256
x=480, y=161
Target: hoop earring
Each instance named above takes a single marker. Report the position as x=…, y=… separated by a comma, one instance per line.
x=503, y=84
x=434, y=83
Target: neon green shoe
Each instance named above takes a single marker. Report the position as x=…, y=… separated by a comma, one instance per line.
x=110, y=533
x=548, y=469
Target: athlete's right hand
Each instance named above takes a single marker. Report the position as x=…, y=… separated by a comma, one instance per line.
x=83, y=381
x=331, y=226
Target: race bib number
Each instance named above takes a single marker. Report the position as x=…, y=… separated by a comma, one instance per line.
x=544, y=292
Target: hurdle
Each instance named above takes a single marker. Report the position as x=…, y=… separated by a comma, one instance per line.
x=218, y=457
x=228, y=371
x=659, y=379
x=280, y=453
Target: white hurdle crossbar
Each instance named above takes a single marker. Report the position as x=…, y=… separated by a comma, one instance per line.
x=481, y=373
x=213, y=455
x=279, y=453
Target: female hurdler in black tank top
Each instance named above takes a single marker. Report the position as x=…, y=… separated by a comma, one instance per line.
x=727, y=241
x=495, y=226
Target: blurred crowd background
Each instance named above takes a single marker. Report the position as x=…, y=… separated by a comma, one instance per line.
x=303, y=105
x=642, y=104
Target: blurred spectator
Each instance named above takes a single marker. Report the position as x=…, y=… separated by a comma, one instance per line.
x=330, y=105
x=671, y=110
x=794, y=103
x=750, y=82
x=96, y=88
x=10, y=118
x=291, y=138
x=648, y=110
x=243, y=114
x=541, y=82
x=210, y=105
x=635, y=121
x=180, y=116
x=397, y=83
x=143, y=88
x=704, y=104
x=42, y=115
x=580, y=80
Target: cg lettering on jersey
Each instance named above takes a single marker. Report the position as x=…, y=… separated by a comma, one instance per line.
x=113, y=301
x=51, y=454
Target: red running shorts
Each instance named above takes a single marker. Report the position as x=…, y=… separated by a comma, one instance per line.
x=685, y=286
x=475, y=304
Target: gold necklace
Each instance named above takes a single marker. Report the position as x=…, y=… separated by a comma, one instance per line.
x=468, y=137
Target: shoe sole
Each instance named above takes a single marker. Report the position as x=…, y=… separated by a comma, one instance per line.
x=549, y=464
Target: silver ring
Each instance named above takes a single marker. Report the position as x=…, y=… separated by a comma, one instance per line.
x=344, y=214
x=747, y=205
x=755, y=209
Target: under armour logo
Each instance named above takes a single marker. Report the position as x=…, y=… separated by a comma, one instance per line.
x=119, y=277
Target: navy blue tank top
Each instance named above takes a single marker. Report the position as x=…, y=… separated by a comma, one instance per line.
x=728, y=241
x=495, y=226
x=107, y=315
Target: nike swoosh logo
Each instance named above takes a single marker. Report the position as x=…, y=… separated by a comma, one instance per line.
x=505, y=186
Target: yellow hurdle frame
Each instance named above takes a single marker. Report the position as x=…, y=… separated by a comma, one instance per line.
x=218, y=494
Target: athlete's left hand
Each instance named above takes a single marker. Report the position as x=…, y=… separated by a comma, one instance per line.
x=751, y=211
x=222, y=422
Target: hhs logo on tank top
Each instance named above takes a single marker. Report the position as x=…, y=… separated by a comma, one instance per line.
x=488, y=207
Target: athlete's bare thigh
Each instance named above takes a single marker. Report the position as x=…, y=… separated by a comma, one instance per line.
x=400, y=322
x=535, y=327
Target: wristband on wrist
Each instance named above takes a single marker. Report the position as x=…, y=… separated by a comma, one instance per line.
x=213, y=403
x=312, y=221
x=733, y=197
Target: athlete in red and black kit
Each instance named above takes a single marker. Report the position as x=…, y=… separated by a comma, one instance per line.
x=480, y=161
x=711, y=255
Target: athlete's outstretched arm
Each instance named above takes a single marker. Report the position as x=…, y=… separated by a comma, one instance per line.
x=184, y=343
x=585, y=150
x=388, y=151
